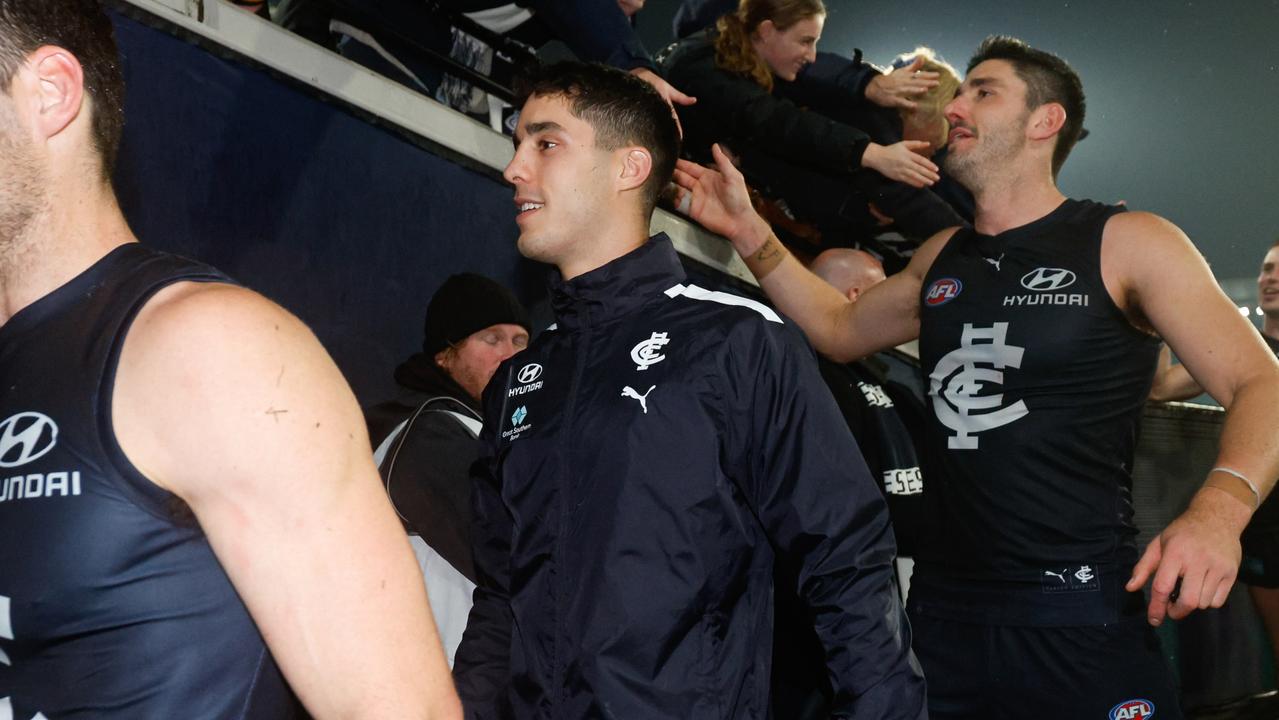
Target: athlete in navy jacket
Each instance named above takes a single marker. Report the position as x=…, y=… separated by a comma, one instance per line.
x=648, y=458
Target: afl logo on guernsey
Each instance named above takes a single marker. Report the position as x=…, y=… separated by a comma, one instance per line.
x=25, y=437
x=942, y=291
x=1133, y=710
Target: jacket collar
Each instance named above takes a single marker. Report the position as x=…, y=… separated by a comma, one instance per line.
x=420, y=375
x=617, y=288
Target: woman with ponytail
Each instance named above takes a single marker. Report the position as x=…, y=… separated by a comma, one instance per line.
x=800, y=155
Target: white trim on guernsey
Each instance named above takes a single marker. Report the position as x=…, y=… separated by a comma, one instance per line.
x=694, y=292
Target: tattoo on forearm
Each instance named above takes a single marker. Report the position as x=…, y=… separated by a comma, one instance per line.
x=766, y=258
x=769, y=250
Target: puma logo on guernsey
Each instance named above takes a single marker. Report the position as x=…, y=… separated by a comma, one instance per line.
x=630, y=392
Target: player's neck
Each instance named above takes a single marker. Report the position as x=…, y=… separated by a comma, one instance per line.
x=1015, y=199
x=76, y=228
x=604, y=245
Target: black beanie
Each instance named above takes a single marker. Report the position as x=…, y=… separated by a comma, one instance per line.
x=467, y=303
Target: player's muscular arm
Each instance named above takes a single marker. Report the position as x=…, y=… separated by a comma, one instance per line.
x=1152, y=266
x=230, y=402
x=883, y=317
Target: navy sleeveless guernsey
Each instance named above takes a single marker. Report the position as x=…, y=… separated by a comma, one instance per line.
x=1037, y=382
x=112, y=604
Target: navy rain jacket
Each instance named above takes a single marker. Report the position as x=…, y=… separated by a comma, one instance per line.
x=644, y=463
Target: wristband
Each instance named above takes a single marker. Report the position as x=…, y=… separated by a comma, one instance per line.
x=1255, y=493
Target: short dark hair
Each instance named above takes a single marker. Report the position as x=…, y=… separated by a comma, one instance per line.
x=82, y=28
x=1048, y=79
x=623, y=109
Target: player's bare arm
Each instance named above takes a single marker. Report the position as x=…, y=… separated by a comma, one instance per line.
x=231, y=403
x=885, y=316
x=1172, y=382
x=1159, y=278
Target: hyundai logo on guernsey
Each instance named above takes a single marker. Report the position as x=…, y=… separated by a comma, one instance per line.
x=942, y=291
x=25, y=437
x=1046, y=282
x=1133, y=710
x=1045, y=279
x=528, y=378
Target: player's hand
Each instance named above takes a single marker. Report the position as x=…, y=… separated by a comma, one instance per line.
x=672, y=96
x=1200, y=549
x=720, y=201
x=896, y=89
x=902, y=162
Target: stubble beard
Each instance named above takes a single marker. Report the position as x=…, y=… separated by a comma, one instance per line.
x=22, y=193
x=994, y=152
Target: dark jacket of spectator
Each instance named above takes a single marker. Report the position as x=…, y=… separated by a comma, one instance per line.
x=739, y=112
x=808, y=159
x=430, y=486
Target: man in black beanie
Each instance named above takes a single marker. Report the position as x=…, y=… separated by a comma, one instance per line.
x=426, y=438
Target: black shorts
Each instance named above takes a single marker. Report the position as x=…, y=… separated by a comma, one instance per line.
x=993, y=672
x=1260, y=566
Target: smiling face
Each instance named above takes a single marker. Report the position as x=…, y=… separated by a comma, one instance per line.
x=786, y=52
x=562, y=183
x=988, y=120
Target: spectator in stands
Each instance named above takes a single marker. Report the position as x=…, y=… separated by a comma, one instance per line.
x=427, y=437
x=869, y=404
x=1260, y=567
x=594, y=30
x=826, y=171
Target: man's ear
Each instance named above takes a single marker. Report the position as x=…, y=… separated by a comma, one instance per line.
x=442, y=359
x=636, y=166
x=56, y=84
x=1046, y=121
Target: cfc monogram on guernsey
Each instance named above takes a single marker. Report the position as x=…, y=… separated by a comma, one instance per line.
x=112, y=604
x=1036, y=382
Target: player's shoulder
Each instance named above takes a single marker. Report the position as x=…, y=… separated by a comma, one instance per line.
x=212, y=310
x=207, y=331
x=1136, y=235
